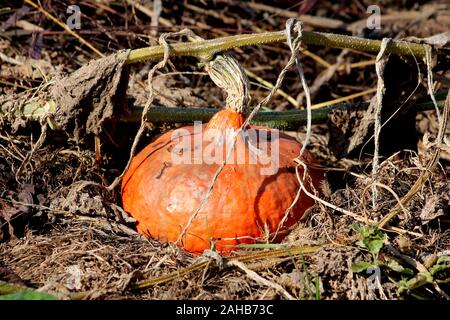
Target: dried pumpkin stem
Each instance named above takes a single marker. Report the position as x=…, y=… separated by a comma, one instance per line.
x=229, y=75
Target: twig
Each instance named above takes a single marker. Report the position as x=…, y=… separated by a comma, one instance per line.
x=360, y=64
x=257, y=278
x=315, y=57
x=268, y=85
x=308, y=19
x=6, y=59
x=342, y=99
x=324, y=76
x=149, y=13
x=215, y=14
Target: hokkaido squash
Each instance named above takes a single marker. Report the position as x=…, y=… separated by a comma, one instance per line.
x=168, y=180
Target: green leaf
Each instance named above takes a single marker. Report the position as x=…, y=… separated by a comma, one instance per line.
x=395, y=266
x=355, y=228
x=361, y=266
x=442, y=264
x=417, y=281
x=372, y=238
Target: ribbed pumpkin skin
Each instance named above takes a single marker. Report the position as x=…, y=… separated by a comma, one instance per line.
x=242, y=208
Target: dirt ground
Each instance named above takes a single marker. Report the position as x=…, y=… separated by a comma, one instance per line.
x=63, y=232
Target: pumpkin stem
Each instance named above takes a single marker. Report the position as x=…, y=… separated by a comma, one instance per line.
x=226, y=72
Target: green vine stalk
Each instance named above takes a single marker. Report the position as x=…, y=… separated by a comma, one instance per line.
x=206, y=49
x=284, y=120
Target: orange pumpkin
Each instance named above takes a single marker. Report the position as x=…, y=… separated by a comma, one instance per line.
x=248, y=202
